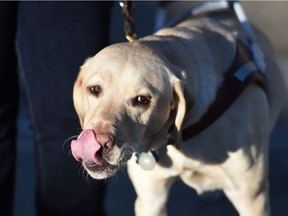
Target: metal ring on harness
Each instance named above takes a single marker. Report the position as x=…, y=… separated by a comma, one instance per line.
x=129, y=26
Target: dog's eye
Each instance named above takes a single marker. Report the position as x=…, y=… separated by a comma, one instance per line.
x=95, y=90
x=141, y=100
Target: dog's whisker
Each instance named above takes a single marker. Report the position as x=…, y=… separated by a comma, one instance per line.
x=71, y=138
x=113, y=179
x=69, y=153
x=85, y=175
x=104, y=181
x=65, y=143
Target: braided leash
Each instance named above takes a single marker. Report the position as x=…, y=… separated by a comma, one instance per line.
x=129, y=26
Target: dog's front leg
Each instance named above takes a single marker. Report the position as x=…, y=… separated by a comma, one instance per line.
x=152, y=188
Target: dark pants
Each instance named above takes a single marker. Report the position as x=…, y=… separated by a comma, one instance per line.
x=52, y=40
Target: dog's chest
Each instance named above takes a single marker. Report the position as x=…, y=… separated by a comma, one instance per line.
x=192, y=172
x=198, y=181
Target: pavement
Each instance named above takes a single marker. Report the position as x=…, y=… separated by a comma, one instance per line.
x=183, y=201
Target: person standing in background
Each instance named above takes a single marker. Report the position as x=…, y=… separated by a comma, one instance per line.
x=46, y=42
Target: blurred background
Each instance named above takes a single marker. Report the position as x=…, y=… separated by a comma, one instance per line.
x=269, y=16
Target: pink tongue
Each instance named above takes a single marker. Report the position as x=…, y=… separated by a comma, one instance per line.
x=85, y=148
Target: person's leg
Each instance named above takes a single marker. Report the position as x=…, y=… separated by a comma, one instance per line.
x=8, y=104
x=54, y=39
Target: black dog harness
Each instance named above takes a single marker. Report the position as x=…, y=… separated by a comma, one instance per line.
x=247, y=69
x=243, y=72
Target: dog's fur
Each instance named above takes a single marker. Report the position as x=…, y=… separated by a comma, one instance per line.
x=178, y=71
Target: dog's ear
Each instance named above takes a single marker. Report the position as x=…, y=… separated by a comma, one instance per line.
x=78, y=93
x=179, y=105
x=77, y=99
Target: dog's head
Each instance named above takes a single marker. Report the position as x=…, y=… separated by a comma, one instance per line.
x=127, y=98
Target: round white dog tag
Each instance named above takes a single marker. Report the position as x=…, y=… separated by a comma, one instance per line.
x=147, y=161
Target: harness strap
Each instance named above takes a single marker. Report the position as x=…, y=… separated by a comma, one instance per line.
x=216, y=7
x=203, y=8
x=257, y=54
x=242, y=73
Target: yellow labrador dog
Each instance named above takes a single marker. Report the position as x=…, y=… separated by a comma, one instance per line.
x=138, y=97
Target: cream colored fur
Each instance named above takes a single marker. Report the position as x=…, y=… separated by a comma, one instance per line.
x=180, y=69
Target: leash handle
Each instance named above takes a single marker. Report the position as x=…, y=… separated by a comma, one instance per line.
x=129, y=26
